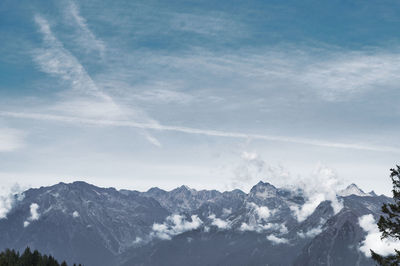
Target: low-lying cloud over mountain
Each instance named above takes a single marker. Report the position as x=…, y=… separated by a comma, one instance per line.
x=174, y=225
x=373, y=240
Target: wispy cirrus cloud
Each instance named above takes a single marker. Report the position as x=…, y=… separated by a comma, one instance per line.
x=151, y=139
x=168, y=96
x=329, y=74
x=197, y=131
x=82, y=98
x=348, y=74
x=86, y=38
x=57, y=61
x=210, y=25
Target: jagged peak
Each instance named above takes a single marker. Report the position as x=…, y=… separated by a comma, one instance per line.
x=353, y=189
x=183, y=188
x=263, y=190
x=262, y=183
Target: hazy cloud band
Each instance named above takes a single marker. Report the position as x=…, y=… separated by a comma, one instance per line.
x=189, y=130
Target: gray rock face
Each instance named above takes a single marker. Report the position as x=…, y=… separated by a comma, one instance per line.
x=83, y=223
x=78, y=219
x=354, y=190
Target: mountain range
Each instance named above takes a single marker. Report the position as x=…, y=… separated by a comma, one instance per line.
x=83, y=223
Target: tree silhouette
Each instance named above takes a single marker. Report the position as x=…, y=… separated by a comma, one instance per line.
x=28, y=258
x=389, y=223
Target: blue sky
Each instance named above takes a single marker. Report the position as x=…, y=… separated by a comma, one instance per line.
x=210, y=94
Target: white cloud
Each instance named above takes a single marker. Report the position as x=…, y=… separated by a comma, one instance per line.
x=283, y=229
x=88, y=107
x=373, y=239
x=253, y=169
x=163, y=95
x=8, y=196
x=55, y=60
x=247, y=227
x=34, y=214
x=6, y=203
x=310, y=233
x=221, y=224
x=174, y=225
x=322, y=185
x=262, y=212
x=335, y=76
x=215, y=133
x=258, y=220
x=276, y=240
x=214, y=25
x=323, y=74
x=249, y=156
x=261, y=227
x=75, y=214
x=343, y=75
x=138, y=240
x=85, y=36
x=281, y=68
x=151, y=139
x=10, y=139
x=84, y=99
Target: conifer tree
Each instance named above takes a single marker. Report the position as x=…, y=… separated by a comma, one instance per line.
x=389, y=223
x=28, y=258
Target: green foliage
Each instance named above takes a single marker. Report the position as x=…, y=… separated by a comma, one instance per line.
x=28, y=258
x=389, y=224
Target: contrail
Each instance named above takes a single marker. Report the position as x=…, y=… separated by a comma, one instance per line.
x=190, y=130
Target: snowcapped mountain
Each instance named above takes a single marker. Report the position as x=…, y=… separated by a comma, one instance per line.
x=354, y=190
x=83, y=223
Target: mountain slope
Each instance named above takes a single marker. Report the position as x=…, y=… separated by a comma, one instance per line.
x=104, y=226
x=80, y=222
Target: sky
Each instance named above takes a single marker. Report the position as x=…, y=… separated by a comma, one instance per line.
x=211, y=94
